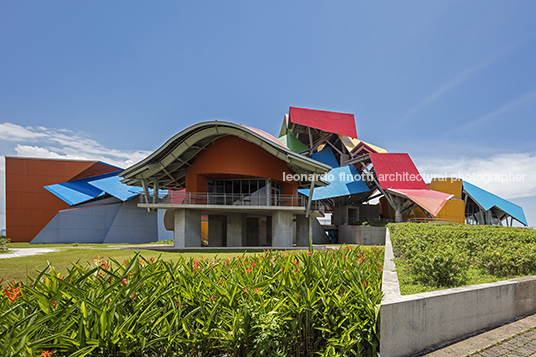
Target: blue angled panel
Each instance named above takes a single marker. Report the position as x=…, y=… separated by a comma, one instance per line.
x=78, y=191
x=487, y=200
x=325, y=156
x=113, y=186
x=72, y=194
x=343, y=181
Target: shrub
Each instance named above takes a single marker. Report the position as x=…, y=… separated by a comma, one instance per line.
x=276, y=303
x=440, y=254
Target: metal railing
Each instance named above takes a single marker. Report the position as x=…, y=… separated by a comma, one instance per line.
x=435, y=220
x=227, y=199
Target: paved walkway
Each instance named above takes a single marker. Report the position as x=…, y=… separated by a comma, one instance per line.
x=23, y=252
x=514, y=339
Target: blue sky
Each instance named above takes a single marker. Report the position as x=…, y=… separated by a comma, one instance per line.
x=453, y=83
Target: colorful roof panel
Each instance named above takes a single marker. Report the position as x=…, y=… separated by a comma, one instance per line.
x=352, y=144
x=397, y=171
x=331, y=122
x=487, y=200
x=113, y=186
x=326, y=156
x=343, y=181
x=430, y=200
x=290, y=141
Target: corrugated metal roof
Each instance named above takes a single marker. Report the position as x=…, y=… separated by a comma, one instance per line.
x=343, y=181
x=430, y=200
x=331, y=122
x=487, y=200
x=397, y=171
x=326, y=156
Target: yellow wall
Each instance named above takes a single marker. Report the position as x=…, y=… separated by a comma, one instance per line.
x=454, y=209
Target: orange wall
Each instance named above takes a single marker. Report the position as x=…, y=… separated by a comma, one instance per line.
x=29, y=206
x=234, y=156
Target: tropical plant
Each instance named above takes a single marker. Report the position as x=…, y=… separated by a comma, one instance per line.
x=275, y=303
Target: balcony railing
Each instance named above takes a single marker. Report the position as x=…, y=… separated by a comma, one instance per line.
x=227, y=199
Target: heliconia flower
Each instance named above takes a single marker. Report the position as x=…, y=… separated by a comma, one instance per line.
x=212, y=298
x=257, y=291
x=152, y=259
x=365, y=283
x=54, y=303
x=124, y=281
x=296, y=263
x=14, y=293
x=246, y=290
x=46, y=353
x=220, y=281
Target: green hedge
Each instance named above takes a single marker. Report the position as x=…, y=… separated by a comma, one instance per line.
x=272, y=304
x=440, y=254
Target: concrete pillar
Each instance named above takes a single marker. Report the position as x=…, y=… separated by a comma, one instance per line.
x=281, y=229
x=302, y=231
x=216, y=230
x=263, y=236
x=187, y=229
x=234, y=229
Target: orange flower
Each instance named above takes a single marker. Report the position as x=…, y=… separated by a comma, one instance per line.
x=13, y=294
x=47, y=353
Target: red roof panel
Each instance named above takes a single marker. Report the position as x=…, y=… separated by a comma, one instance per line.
x=429, y=200
x=397, y=171
x=331, y=122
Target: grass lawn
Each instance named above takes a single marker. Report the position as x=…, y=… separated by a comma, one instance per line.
x=17, y=268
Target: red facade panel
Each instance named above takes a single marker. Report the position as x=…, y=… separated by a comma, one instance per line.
x=332, y=122
x=397, y=171
x=29, y=206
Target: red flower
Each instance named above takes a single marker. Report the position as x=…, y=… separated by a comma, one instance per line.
x=212, y=298
x=54, y=303
x=365, y=284
x=14, y=293
x=124, y=281
x=152, y=259
x=257, y=291
x=47, y=353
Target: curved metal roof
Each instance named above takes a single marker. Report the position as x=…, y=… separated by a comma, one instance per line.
x=169, y=163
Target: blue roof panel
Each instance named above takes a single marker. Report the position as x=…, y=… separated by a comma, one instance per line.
x=71, y=193
x=113, y=186
x=343, y=181
x=325, y=156
x=488, y=200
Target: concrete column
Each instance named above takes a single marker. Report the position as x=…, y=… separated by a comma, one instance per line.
x=234, y=229
x=215, y=230
x=263, y=237
x=187, y=228
x=302, y=231
x=281, y=229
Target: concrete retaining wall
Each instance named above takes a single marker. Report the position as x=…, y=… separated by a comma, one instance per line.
x=413, y=323
x=363, y=235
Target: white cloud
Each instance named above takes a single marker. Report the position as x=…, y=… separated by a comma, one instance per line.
x=506, y=175
x=14, y=132
x=63, y=143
